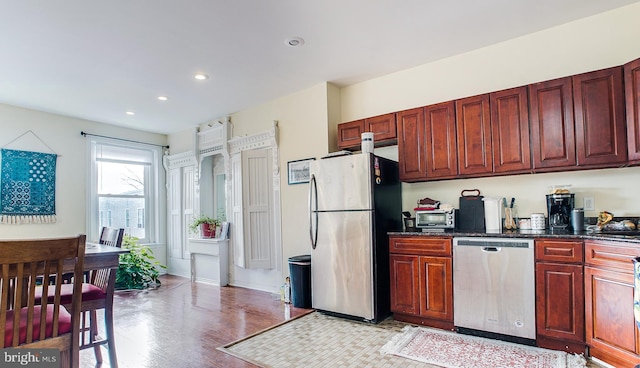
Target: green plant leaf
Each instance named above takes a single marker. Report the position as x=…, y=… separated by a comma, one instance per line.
x=138, y=269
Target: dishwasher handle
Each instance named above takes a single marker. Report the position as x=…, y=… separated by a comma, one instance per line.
x=491, y=249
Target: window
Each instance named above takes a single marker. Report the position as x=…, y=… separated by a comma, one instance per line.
x=123, y=177
x=127, y=218
x=140, y=218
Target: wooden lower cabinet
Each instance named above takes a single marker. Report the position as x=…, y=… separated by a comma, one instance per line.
x=560, y=295
x=611, y=331
x=405, y=295
x=422, y=285
x=560, y=307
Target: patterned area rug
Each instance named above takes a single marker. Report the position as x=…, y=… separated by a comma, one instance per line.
x=318, y=340
x=452, y=350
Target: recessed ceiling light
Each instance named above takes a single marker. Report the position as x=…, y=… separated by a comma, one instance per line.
x=162, y=98
x=294, y=41
x=201, y=76
x=130, y=113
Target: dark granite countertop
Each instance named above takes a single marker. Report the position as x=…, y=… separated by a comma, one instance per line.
x=631, y=236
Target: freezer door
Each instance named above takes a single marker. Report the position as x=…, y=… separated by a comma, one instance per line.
x=343, y=183
x=342, y=265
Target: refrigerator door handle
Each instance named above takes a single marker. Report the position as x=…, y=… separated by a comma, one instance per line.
x=313, y=195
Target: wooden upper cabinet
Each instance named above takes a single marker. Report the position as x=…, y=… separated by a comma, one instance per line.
x=598, y=101
x=383, y=128
x=440, y=139
x=473, y=125
x=552, y=127
x=411, y=147
x=510, y=130
x=632, y=95
x=350, y=134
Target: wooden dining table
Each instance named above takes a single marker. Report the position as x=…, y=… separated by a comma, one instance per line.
x=99, y=256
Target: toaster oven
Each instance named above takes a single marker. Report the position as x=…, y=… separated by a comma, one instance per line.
x=436, y=219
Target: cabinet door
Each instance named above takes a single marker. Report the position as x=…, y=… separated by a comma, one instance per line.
x=383, y=127
x=440, y=140
x=436, y=288
x=611, y=331
x=598, y=101
x=552, y=126
x=411, y=147
x=632, y=95
x=473, y=124
x=350, y=134
x=404, y=284
x=560, y=302
x=510, y=130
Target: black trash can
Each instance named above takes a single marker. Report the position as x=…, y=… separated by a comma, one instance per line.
x=300, y=273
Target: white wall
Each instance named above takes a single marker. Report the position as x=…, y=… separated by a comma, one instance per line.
x=601, y=41
x=62, y=135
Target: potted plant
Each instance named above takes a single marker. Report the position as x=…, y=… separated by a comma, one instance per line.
x=206, y=224
x=138, y=269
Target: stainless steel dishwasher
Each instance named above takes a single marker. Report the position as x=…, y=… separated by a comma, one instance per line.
x=494, y=287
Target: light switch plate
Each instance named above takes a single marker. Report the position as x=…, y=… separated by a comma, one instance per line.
x=589, y=204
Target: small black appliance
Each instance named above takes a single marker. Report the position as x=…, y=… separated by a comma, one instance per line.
x=559, y=207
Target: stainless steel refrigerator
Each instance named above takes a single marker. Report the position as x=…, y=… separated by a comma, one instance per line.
x=354, y=200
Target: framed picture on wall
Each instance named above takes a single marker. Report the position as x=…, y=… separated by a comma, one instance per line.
x=299, y=171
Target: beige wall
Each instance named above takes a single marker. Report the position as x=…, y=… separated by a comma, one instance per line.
x=592, y=43
x=307, y=119
x=597, y=42
x=303, y=133
x=182, y=141
x=62, y=135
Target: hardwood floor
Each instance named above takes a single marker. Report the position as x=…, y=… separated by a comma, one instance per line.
x=182, y=323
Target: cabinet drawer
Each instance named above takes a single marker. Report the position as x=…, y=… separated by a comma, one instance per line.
x=617, y=255
x=420, y=245
x=564, y=251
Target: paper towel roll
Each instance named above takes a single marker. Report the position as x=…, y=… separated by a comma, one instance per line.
x=367, y=142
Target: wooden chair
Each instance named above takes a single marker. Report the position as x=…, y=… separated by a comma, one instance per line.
x=97, y=293
x=23, y=263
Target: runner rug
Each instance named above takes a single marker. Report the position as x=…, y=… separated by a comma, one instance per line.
x=449, y=349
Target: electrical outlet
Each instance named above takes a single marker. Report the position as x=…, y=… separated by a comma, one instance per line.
x=589, y=204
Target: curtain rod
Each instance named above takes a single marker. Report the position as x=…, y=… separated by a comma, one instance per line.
x=84, y=134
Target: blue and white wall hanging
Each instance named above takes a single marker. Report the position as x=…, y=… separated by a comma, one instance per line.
x=27, y=187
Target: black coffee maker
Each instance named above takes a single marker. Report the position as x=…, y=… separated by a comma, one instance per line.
x=559, y=207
